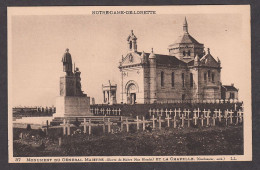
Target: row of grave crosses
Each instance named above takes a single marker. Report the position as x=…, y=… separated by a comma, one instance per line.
x=228, y=114
x=107, y=111
x=202, y=101
x=175, y=112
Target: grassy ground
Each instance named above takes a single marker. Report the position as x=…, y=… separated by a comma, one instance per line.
x=218, y=140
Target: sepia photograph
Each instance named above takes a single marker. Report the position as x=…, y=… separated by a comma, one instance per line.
x=129, y=84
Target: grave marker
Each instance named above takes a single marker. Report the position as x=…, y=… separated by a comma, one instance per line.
x=174, y=122
x=189, y=119
x=68, y=128
x=202, y=120
x=179, y=112
x=109, y=125
x=195, y=117
x=182, y=120
x=153, y=119
x=170, y=112
x=143, y=123
x=219, y=115
x=168, y=120
x=150, y=112
x=127, y=125
x=119, y=112
x=64, y=126
x=208, y=117
x=160, y=123
x=231, y=116
x=214, y=119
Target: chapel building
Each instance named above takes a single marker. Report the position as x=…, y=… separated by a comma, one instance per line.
x=186, y=73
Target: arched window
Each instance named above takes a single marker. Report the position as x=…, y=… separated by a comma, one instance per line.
x=172, y=79
x=162, y=78
x=209, y=75
x=184, y=53
x=213, y=77
x=130, y=45
x=205, y=76
x=191, y=80
x=189, y=53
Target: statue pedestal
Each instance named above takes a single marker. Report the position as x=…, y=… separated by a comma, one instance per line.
x=72, y=106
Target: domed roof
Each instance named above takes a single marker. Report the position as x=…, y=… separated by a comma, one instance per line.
x=67, y=57
x=152, y=55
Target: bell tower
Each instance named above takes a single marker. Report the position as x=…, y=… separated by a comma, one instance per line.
x=132, y=45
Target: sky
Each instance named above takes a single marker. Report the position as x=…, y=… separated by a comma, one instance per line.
x=97, y=43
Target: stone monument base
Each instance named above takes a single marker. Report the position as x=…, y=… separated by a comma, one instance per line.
x=72, y=106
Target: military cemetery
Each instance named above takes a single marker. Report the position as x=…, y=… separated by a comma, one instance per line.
x=170, y=104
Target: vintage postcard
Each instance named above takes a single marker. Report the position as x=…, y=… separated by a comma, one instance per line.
x=129, y=84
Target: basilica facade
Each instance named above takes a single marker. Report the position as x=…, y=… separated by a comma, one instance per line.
x=186, y=73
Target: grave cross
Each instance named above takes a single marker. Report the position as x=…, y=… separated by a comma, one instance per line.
x=160, y=123
x=202, y=120
x=158, y=111
x=119, y=112
x=116, y=111
x=175, y=112
x=182, y=120
x=208, y=117
x=195, y=117
x=174, y=122
x=127, y=125
x=168, y=120
x=170, y=112
x=143, y=123
x=91, y=110
x=153, y=119
x=185, y=112
x=109, y=125
x=179, y=112
x=166, y=112
x=214, y=119
x=189, y=119
x=113, y=111
x=68, y=128
x=89, y=126
x=198, y=112
x=97, y=110
x=231, y=116
x=85, y=125
x=64, y=126
x=226, y=116
x=205, y=112
x=162, y=112
x=104, y=125
x=150, y=112
x=219, y=115
x=137, y=123
x=102, y=111
x=108, y=111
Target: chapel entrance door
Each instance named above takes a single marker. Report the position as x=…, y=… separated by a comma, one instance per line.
x=132, y=98
x=131, y=94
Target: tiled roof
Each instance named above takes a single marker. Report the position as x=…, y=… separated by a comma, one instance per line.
x=186, y=38
x=229, y=88
x=167, y=59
